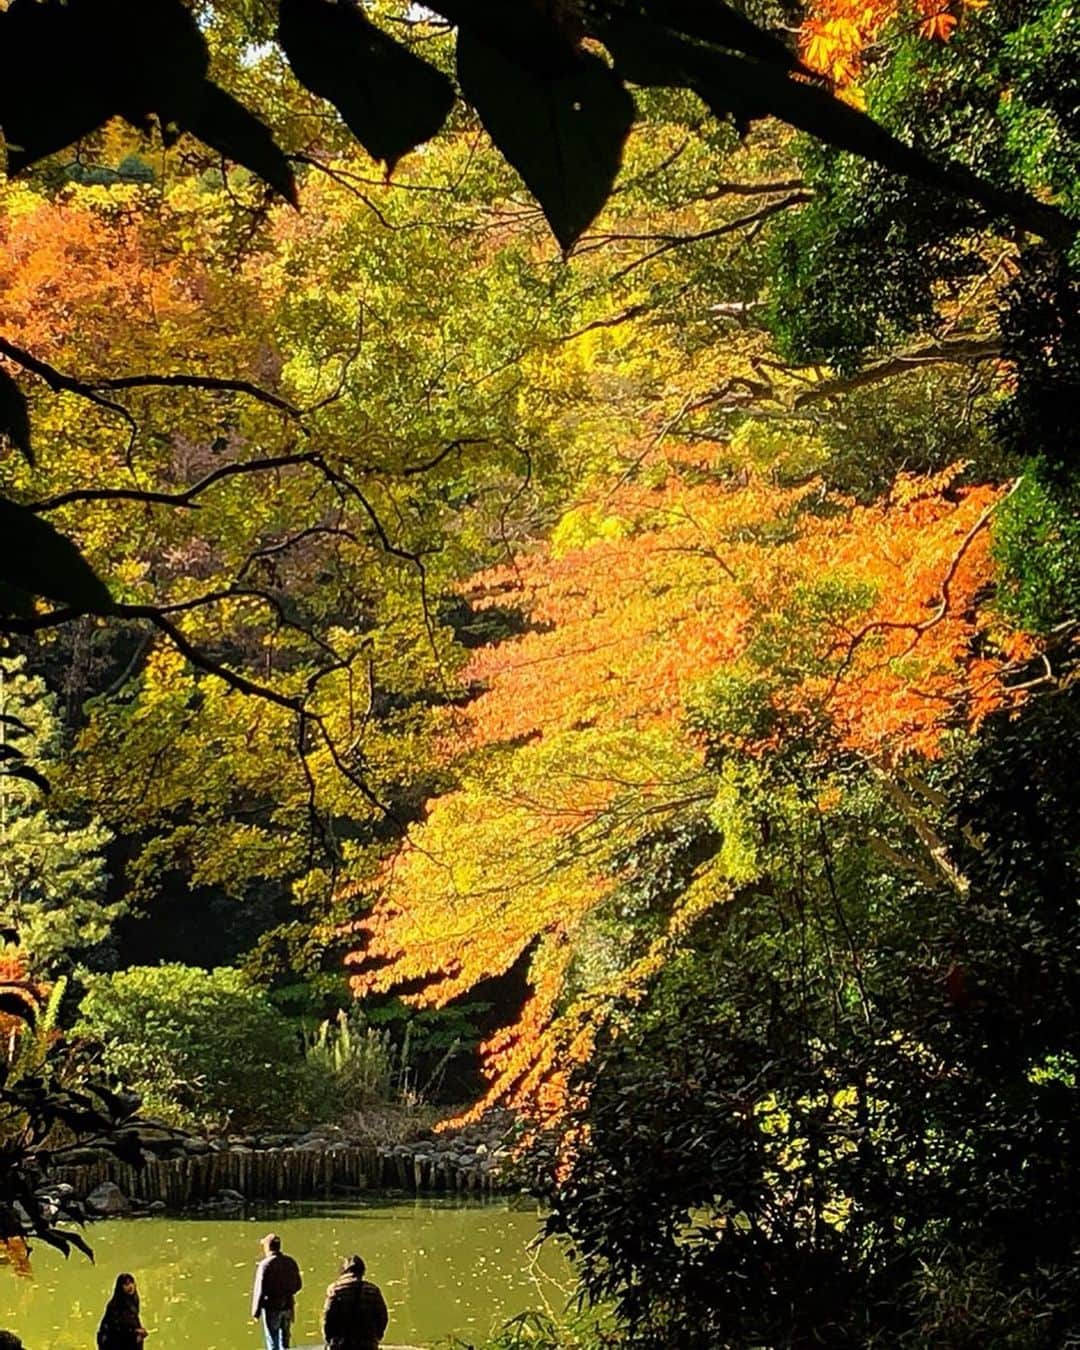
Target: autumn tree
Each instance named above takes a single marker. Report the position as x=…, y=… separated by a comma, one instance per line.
x=682, y=627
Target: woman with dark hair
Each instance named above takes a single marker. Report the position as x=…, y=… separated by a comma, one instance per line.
x=121, y=1328
x=355, y=1316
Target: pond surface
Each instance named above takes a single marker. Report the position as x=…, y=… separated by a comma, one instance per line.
x=445, y=1268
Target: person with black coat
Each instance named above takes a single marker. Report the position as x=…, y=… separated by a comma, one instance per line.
x=120, y=1327
x=277, y=1282
x=354, y=1316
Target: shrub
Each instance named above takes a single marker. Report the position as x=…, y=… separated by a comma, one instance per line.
x=203, y=1048
x=352, y=1063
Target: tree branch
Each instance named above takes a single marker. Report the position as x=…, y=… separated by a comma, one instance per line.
x=89, y=389
x=919, y=626
x=210, y=383
x=955, y=351
x=185, y=497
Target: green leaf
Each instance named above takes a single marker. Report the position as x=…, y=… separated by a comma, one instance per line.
x=228, y=127
x=564, y=133
x=39, y=560
x=391, y=100
x=14, y=418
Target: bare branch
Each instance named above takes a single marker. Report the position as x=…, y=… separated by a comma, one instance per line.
x=185, y=497
x=917, y=627
x=955, y=351
x=209, y=383
x=728, y=189
x=61, y=383
x=90, y=389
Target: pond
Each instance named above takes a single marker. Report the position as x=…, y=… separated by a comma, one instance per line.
x=446, y=1268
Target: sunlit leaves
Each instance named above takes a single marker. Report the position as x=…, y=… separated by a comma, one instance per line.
x=717, y=619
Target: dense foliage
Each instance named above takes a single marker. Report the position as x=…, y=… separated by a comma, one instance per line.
x=653, y=663
x=829, y=1122
x=202, y=1048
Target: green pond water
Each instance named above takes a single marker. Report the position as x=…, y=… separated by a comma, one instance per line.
x=446, y=1269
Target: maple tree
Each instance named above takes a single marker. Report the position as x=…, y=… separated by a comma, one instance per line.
x=837, y=34
x=650, y=628
x=673, y=610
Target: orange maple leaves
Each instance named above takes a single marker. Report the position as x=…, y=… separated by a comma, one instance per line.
x=864, y=621
x=627, y=627
x=836, y=36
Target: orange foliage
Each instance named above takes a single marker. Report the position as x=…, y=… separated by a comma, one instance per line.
x=837, y=34
x=627, y=627
x=100, y=284
x=60, y=259
x=15, y=1254
x=15, y=983
x=864, y=619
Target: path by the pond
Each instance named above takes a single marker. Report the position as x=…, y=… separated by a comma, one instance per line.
x=446, y=1269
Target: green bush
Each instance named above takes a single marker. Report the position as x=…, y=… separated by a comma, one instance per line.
x=204, y=1049
x=1037, y=544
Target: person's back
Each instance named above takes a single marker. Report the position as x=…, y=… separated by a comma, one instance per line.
x=355, y=1316
x=277, y=1282
x=280, y=1281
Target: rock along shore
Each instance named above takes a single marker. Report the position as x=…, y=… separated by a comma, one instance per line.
x=225, y=1174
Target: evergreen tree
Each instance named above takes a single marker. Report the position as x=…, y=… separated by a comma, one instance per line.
x=52, y=868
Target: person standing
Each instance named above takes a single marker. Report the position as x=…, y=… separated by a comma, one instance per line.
x=354, y=1316
x=277, y=1282
x=120, y=1327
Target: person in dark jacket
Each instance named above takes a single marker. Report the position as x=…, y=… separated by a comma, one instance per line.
x=277, y=1281
x=355, y=1316
x=120, y=1327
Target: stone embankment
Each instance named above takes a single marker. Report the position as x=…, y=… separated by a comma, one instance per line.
x=226, y=1174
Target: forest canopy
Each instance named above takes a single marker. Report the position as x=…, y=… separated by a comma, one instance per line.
x=574, y=587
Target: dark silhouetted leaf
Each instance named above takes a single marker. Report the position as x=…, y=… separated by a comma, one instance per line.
x=30, y=774
x=37, y=558
x=127, y=1147
x=17, y=726
x=121, y=1105
x=14, y=418
x=391, y=100
x=17, y=1003
x=14, y=600
x=543, y=39
x=55, y=1239
x=564, y=134
x=79, y=1243
x=226, y=126
x=135, y=58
